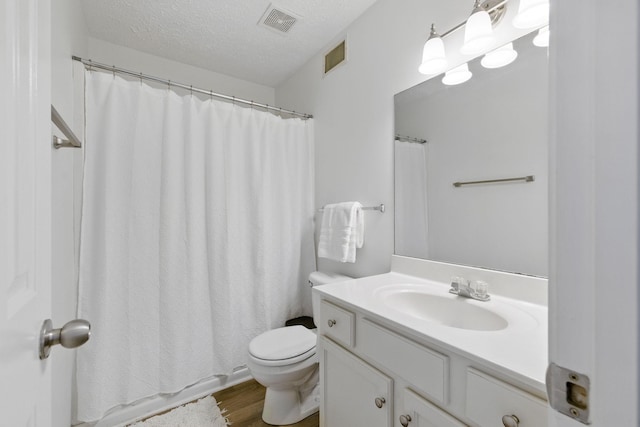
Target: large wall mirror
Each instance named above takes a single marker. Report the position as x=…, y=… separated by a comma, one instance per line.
x=492, y=127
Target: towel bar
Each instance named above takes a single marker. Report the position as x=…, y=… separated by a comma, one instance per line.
x=528, y=178
x=380, y=208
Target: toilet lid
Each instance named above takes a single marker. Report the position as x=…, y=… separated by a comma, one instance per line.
x=282, y=343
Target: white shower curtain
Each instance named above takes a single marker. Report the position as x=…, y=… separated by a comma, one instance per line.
x=411, y=218
x=197, y=235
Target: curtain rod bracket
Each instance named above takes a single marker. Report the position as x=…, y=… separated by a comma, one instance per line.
x=72, y=141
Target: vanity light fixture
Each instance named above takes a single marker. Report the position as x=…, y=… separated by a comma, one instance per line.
x=457, y=75
x=542, y=38
x=434, y=60
x=478, y=34
x=531, y=13
x=478, y=31
x=499, y=57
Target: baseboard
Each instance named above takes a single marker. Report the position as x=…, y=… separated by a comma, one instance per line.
x=121, y=417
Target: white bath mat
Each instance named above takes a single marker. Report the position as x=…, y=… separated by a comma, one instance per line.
x=202, y=413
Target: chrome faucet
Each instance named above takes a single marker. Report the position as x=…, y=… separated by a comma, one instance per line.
x=462, y=287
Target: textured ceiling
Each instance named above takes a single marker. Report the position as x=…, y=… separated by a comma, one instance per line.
x=223, y=35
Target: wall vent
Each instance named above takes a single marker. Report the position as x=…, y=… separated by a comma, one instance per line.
x=276, y=18
x=335, y=57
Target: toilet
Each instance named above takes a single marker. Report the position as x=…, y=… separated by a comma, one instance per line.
x=284, y=360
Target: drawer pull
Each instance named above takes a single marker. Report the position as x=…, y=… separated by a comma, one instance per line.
x=331, y=322
x=510, y=421
x=380, y=401
x=405, y=420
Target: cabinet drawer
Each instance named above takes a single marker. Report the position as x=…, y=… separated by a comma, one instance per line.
x=424, y=413
x=337, y=323
x=425, y=369
x=489, y=399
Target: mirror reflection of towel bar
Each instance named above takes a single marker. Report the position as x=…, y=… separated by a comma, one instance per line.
x=380, y=208
x=528, y=178
x=410, y=139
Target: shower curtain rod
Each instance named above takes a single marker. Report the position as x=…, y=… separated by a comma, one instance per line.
x=92, y=64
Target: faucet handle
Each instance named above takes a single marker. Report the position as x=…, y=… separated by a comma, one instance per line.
x=481, y=288
x=456, y=281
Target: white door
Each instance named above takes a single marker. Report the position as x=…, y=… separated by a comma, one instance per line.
x=594, y=275
x=25, y=207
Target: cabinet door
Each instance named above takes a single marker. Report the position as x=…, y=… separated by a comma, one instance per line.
x=489, y=399
x=352, y=390
x=418, y=412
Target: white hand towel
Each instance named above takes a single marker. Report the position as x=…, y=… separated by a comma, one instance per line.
x=342, y=231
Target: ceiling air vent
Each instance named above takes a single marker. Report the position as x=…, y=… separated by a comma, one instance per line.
x=276, y=18
x=335, y=57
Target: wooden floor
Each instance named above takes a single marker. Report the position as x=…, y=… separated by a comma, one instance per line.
x=243, y=403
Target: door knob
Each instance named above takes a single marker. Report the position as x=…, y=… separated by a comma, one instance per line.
x=73, y=334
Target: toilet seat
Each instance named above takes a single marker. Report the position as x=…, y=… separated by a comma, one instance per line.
x=283, y=346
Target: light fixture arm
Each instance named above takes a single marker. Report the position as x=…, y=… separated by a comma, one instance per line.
x=489, y=11
x=433, y=33
x=477, y=7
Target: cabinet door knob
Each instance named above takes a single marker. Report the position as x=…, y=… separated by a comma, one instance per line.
x=331, y=322
x=380, y=402
x=510, y=421
x=405, y=420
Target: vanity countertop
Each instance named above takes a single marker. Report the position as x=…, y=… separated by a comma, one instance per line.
x=519, y=350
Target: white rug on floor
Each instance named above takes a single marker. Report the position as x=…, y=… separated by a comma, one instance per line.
x=202, y=413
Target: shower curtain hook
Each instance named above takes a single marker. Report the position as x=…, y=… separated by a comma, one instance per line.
x=211, y=94
x=233, y=101
x=252, y=104
x=90, y=66
x=113, y=70
x=169, y=85
x=140, y=78
x=191, y=90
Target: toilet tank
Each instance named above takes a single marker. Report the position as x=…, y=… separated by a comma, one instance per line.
x=319, y=278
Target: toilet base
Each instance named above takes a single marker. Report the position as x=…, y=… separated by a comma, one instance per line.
x=290, y=405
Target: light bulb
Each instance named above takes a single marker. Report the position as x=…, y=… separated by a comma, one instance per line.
x=542, y=38
x=434, y=60
x=478, y=32
x=458, y=75
x=500, y=57
x=532, y=13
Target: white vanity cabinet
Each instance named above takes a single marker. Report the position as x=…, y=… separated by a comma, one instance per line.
x=353, y=393
x=373, y=374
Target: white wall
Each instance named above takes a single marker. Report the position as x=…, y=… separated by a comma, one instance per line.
x=140, y=62
x=353, y=109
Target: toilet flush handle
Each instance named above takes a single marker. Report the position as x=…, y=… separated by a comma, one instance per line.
x=331, y=322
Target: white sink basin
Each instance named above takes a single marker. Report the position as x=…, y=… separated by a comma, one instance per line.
x=446, y=309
